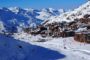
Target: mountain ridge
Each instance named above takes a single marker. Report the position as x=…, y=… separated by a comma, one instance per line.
x=17, y=17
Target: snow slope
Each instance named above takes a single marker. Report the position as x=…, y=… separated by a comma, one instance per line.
x=71, y=15
x=11, y=49
x=52, y=49
x=72, y=49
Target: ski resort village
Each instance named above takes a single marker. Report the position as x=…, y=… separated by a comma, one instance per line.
x=45, y=34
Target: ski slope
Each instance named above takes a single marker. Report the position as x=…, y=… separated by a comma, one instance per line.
x=72, y=50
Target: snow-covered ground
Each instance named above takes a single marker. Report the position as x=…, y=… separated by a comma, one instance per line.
x=50, y=49
x=68, y=47
x=12, y=49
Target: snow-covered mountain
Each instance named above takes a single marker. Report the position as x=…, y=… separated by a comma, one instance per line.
x=71, y=15
x=45, y=14
x=13, y=17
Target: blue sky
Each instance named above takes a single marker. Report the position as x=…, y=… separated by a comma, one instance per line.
x=39, y=4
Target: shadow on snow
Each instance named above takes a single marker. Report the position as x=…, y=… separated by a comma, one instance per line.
x=11, y=49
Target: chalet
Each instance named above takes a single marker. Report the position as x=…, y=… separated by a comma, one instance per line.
x=70, y=33
x=87, y=16
x=82, y=37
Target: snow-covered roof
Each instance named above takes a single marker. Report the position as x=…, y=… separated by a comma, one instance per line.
x=81, y=29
